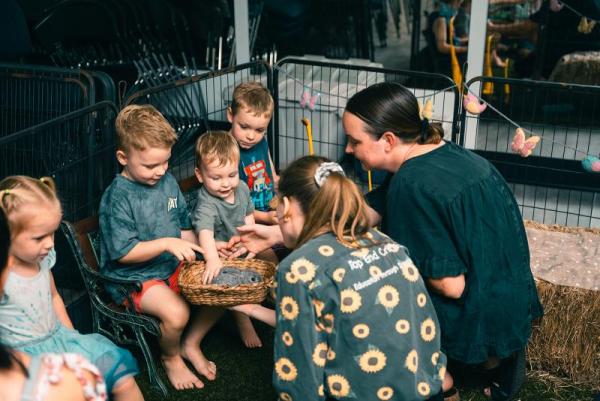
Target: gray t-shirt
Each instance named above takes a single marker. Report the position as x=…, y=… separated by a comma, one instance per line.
x=131, y=212
x=219, y=216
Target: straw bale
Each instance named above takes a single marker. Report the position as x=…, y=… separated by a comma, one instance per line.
x=567, y=340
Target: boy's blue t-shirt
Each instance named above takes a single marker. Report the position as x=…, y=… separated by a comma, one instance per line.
x=256, y=171
x=130, y=213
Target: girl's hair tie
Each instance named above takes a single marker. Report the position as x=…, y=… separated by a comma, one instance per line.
x=324, y=170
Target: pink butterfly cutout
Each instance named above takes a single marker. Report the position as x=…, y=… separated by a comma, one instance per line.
x=523, y=146
x=306, y=100
x=472, y=104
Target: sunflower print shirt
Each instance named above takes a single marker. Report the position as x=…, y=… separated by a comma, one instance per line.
x=355, y=323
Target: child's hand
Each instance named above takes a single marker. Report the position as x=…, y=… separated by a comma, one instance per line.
x=273, y=220
x=228, y=250
x=211, y=270
x=182, y=249
x=232, y=249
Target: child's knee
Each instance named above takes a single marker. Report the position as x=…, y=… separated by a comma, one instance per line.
x=125, y=385
x=178, y=317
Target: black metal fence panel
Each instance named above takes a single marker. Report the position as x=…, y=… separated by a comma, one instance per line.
x=76, y=149
x=318, y=91
x=30, y=95
x=550, y=185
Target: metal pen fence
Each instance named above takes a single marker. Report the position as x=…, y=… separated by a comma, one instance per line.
x=319, y=91
x=76, y=149
x=32, y=94
x=197, y=104
x=550, y=186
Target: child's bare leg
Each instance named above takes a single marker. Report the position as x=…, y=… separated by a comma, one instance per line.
x=126, y=389
x=203, y=319
x=258, y=312
x=247, y=332
x=173, y=312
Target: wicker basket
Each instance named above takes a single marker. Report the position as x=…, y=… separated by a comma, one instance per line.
x=190, y=282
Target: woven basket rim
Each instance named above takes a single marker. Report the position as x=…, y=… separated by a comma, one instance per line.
x=246, y=264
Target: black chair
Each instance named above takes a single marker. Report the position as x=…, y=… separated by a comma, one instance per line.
x=122, y=325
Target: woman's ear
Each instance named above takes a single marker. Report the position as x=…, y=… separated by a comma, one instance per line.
x=390, y=140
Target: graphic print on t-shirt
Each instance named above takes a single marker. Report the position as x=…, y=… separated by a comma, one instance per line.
x=260, y=184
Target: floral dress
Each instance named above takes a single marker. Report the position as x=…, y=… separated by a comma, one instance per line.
x=29, y=324
x=355, y=323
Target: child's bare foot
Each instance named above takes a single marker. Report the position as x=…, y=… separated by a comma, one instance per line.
x=247, y=332
x=202, y=365
x=179, y=375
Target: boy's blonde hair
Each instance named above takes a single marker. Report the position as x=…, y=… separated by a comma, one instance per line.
x=19, y=191
x=217, y=145
x=254, y=97
x=142, y=126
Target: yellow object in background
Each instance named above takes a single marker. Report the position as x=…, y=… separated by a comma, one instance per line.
x=306, y=123
x=506, y=86
x=455, y=67
x=488, y=87
x=370, y=180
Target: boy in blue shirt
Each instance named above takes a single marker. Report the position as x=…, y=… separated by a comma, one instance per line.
x=147, y=235
x=249, y=114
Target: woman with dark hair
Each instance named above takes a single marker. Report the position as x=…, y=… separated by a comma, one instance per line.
x=46, y=377
x=462, y=226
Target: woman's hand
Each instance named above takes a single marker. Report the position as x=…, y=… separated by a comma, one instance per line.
x=257, y=237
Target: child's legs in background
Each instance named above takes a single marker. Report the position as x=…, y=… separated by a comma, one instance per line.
x=246, y=328
x=247, y=331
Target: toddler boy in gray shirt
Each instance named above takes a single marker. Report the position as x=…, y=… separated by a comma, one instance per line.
x=222, y=206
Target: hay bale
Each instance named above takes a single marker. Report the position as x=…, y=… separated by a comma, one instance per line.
x=567, y=340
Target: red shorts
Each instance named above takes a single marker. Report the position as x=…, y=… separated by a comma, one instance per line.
x=172, y=282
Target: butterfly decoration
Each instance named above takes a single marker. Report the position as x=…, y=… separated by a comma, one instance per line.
x=591, y=164
x=524, y=147
x=472, y=104
x=586, y=26
x=427, y=110
x=556, y=5
x=306, y=100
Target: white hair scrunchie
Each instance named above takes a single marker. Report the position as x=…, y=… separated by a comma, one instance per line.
x=324, y=170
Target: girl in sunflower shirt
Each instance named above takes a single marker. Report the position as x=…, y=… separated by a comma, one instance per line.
x=353, y=317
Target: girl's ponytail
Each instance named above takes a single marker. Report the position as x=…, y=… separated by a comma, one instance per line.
x=330, y=201
x=49, y=182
